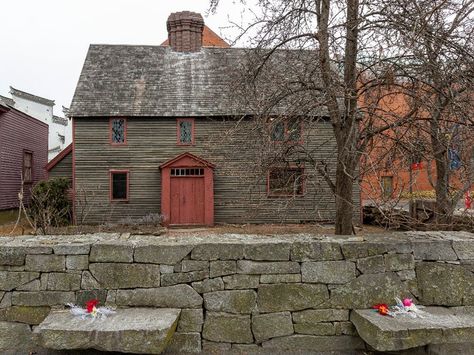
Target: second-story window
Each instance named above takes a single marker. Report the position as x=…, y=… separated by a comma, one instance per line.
x=118, y=131
x=62, y=138
x=278, y=131
x=185, y=131
x=293, y=130
x=285, y=130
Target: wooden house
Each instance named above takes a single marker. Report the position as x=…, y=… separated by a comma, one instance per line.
x=61, y=165
x=23, y=154
x=154, y=132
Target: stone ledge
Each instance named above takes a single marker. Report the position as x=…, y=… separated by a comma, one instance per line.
x=131, y=330
x=440, y=326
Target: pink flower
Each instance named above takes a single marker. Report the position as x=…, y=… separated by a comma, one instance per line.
x=407, y=302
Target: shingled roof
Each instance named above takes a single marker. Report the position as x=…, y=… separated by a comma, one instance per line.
x=123, y=80
x=155, y=81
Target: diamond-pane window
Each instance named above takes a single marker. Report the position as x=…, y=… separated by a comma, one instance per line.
x=278, y=132
x=285, y=130
x=185, y=132
x=294, y=131
x=118, y=130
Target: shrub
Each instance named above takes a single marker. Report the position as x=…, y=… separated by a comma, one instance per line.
x=50, y=205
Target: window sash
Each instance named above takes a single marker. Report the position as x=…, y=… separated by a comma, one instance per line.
x=294, y=131
x=288, y=130
x=185, y=132
x=118, y=131
x=278, y=132
x=187, y=172
x=387, y=186
x=119, y=186
x=27, y=167
x=286, y=182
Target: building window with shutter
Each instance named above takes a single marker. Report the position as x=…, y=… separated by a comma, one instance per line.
x=118, y=131
x=27, y=167
x=185, y=131
x=119, y=185
x=285, y=182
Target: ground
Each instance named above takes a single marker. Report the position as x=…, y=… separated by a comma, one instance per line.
x=8, y=219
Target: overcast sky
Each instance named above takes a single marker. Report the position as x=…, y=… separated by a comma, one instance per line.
x=44, y=43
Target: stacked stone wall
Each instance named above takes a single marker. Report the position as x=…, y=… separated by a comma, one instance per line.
x=247, y=293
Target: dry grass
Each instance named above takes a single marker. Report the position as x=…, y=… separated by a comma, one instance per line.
x=7, y=222
x=8, y=218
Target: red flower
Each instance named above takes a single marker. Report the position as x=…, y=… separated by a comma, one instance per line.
x=382, y=308
x=91, y=304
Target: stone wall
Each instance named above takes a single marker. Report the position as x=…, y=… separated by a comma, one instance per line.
x=285, y=293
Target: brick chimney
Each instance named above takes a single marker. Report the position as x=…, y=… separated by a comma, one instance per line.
x=185, y=31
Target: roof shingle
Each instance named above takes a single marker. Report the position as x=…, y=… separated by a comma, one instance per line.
x=154, y=81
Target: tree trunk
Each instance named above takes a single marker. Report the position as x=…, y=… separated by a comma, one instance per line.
x=344, y=122
x=443, y=203
x=344, y=197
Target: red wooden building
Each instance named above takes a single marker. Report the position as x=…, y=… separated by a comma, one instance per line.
x=23, y=153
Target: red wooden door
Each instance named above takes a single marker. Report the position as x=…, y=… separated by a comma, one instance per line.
x=187, y=200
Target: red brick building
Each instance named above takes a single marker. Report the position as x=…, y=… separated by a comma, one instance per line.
x=391, y=172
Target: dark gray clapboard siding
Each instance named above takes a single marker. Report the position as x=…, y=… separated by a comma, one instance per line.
x=239, y=181
x=63, y=168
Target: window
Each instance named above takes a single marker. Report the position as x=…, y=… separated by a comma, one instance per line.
x=387, y=186
x=62, y=138
x=293, y=130
x=185, y=131
x=119, y=185
x=417, y=156
x=118, y=131
x=285, y=182
x=187, y=172
x=288, y=130
x=27, y=167
x=278, y=132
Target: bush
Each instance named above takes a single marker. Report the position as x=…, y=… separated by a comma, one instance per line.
x=50, y=205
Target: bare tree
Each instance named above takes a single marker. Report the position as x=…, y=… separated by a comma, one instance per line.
x=438, y=37
x=363, y=52
x=325, y=40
